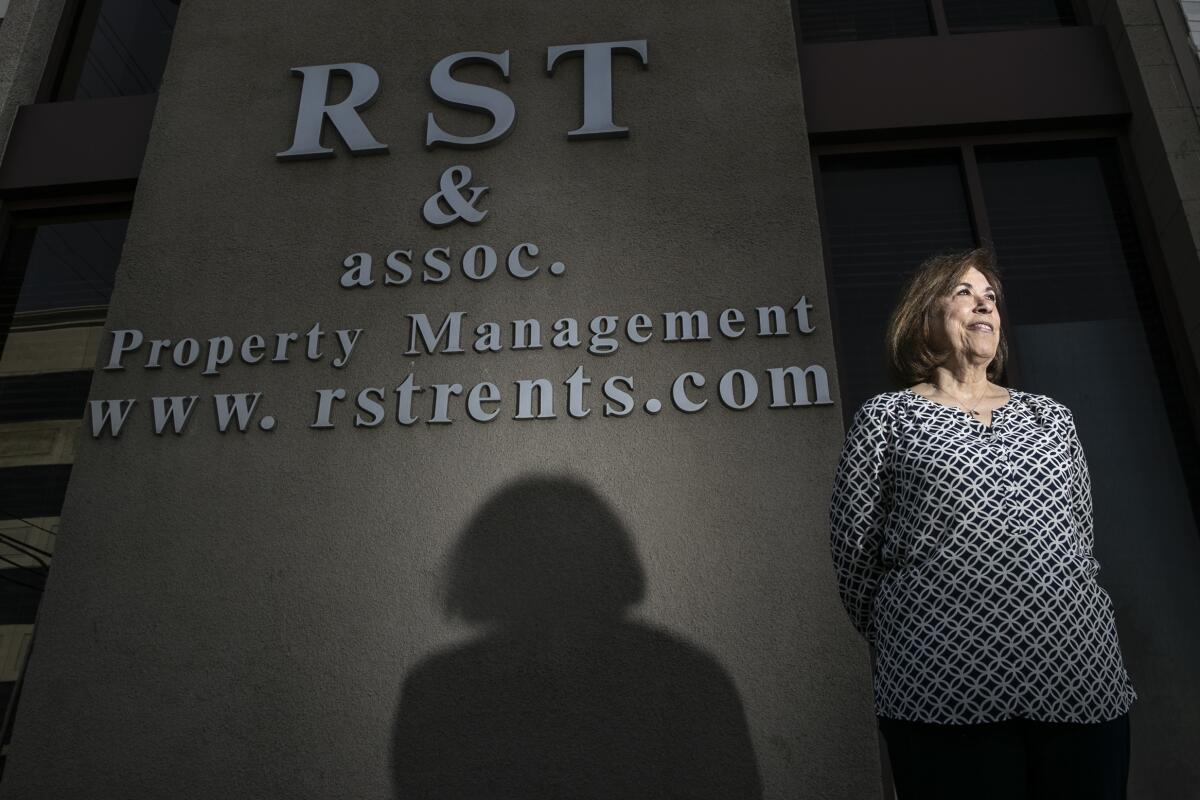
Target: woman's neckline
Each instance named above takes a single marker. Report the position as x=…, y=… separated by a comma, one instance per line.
x=1012, y=394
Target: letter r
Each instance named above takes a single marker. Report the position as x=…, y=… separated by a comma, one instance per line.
x=310, y=119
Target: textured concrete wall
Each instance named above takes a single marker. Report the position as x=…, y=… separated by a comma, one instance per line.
x=1162, y=80
x=235, y=614
x=25, y=40
x=1151, y=567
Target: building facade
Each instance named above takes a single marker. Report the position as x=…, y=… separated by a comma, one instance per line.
x=367, y=369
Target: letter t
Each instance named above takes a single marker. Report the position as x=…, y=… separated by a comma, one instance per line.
x=597, y=84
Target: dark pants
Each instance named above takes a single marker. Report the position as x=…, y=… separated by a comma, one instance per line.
x=1013, y=760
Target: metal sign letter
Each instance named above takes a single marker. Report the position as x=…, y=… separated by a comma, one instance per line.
x=597, y=84
x=364, y=85
x=472, y=96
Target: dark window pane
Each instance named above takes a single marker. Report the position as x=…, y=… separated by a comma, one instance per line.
x=33, y=491
x=842, y=21
x=58, y=275
x=71, y=265
x=973, y=16
x=1083, y=318
x=20, y=592
x=120, y=48
x=1065, y=239
x=1076, y=279
x=883, y=215
x=54, y=395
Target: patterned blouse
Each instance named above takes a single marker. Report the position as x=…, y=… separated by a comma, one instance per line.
x=964, y=555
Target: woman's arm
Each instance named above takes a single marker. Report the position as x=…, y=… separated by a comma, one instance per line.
x=858, y=512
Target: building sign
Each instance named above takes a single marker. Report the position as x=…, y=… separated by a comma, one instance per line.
x=457, y=210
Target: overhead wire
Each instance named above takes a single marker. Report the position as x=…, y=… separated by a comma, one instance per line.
x=5, y=514
x=18, y=545
x=18, y=565
x=25, y=545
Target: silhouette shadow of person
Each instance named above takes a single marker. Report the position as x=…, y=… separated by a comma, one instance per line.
x=563, y=695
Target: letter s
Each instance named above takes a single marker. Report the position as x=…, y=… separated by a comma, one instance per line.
x=469, y=95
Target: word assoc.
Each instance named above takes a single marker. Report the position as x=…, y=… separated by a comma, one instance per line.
x=364, y=86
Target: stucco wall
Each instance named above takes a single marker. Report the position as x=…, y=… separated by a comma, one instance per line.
x=1161, y=76
x=235, y=613
x=26, y=36
x=1151, y=557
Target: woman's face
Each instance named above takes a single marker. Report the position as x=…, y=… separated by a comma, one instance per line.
x=970, y=322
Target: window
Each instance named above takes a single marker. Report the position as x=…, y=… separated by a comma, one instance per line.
x=1083, y=322
x=884, y=213
x=1059, y=220
x=56, y=277
x=1191, y=10
x=973, y=16
x=116, y=48
x=58, y=274
x=857, y=20
x=20, y=591
x=57, y=268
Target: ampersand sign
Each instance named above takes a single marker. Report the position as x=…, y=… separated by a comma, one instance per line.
x=452, y=182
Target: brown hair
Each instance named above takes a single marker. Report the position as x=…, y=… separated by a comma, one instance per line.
x=911, y=353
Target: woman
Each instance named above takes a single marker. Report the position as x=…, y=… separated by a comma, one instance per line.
x=962, y=536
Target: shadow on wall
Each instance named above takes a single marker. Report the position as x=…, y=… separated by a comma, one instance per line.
x=564, y=695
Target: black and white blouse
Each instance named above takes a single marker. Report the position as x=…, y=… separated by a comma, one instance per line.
x=964, y=554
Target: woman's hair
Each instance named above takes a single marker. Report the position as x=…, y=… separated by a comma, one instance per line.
x=912, y=352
